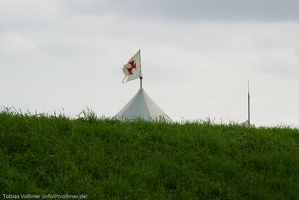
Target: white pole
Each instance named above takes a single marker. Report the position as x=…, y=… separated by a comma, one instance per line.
x=140, y=77
x=141, y=81
x=248, y=105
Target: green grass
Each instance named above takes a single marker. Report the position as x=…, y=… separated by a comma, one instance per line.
x=109, y=159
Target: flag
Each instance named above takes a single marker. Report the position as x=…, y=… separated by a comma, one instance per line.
x=132, y=69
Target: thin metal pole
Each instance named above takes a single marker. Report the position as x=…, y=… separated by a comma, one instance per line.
x=140, y=70
x=248, y=105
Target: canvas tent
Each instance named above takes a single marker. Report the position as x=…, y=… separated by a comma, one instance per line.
x=142, y=106
x=246, y=123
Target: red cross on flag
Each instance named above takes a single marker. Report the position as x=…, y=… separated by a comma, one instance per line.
x=132, y=69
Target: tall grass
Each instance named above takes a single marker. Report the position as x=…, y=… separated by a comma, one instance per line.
x=108, y=159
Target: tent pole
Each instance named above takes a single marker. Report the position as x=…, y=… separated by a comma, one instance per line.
x=141, y=82
x=248, y=105
x=140, y=71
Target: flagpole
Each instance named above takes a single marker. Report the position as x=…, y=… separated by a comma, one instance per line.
x=140, y=77
x=248, y=105
x=141, y=82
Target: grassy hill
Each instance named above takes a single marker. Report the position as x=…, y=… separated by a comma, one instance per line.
x=108, y=159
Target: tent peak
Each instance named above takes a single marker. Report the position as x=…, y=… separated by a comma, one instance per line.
x=142, y=106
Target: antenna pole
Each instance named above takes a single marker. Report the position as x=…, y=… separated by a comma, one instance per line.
x=248, y=105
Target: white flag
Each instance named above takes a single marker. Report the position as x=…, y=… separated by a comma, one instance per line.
x=132, y=69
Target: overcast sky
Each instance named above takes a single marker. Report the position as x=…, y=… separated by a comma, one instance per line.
x=196, y=55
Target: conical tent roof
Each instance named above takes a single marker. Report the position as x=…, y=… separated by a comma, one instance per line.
x=142, y=106
x=246, y=123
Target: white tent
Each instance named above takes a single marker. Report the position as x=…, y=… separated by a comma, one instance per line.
x=142, y=106
x=246, y=123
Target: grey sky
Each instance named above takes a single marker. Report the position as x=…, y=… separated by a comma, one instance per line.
x=235, y=10
x=196, y=57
